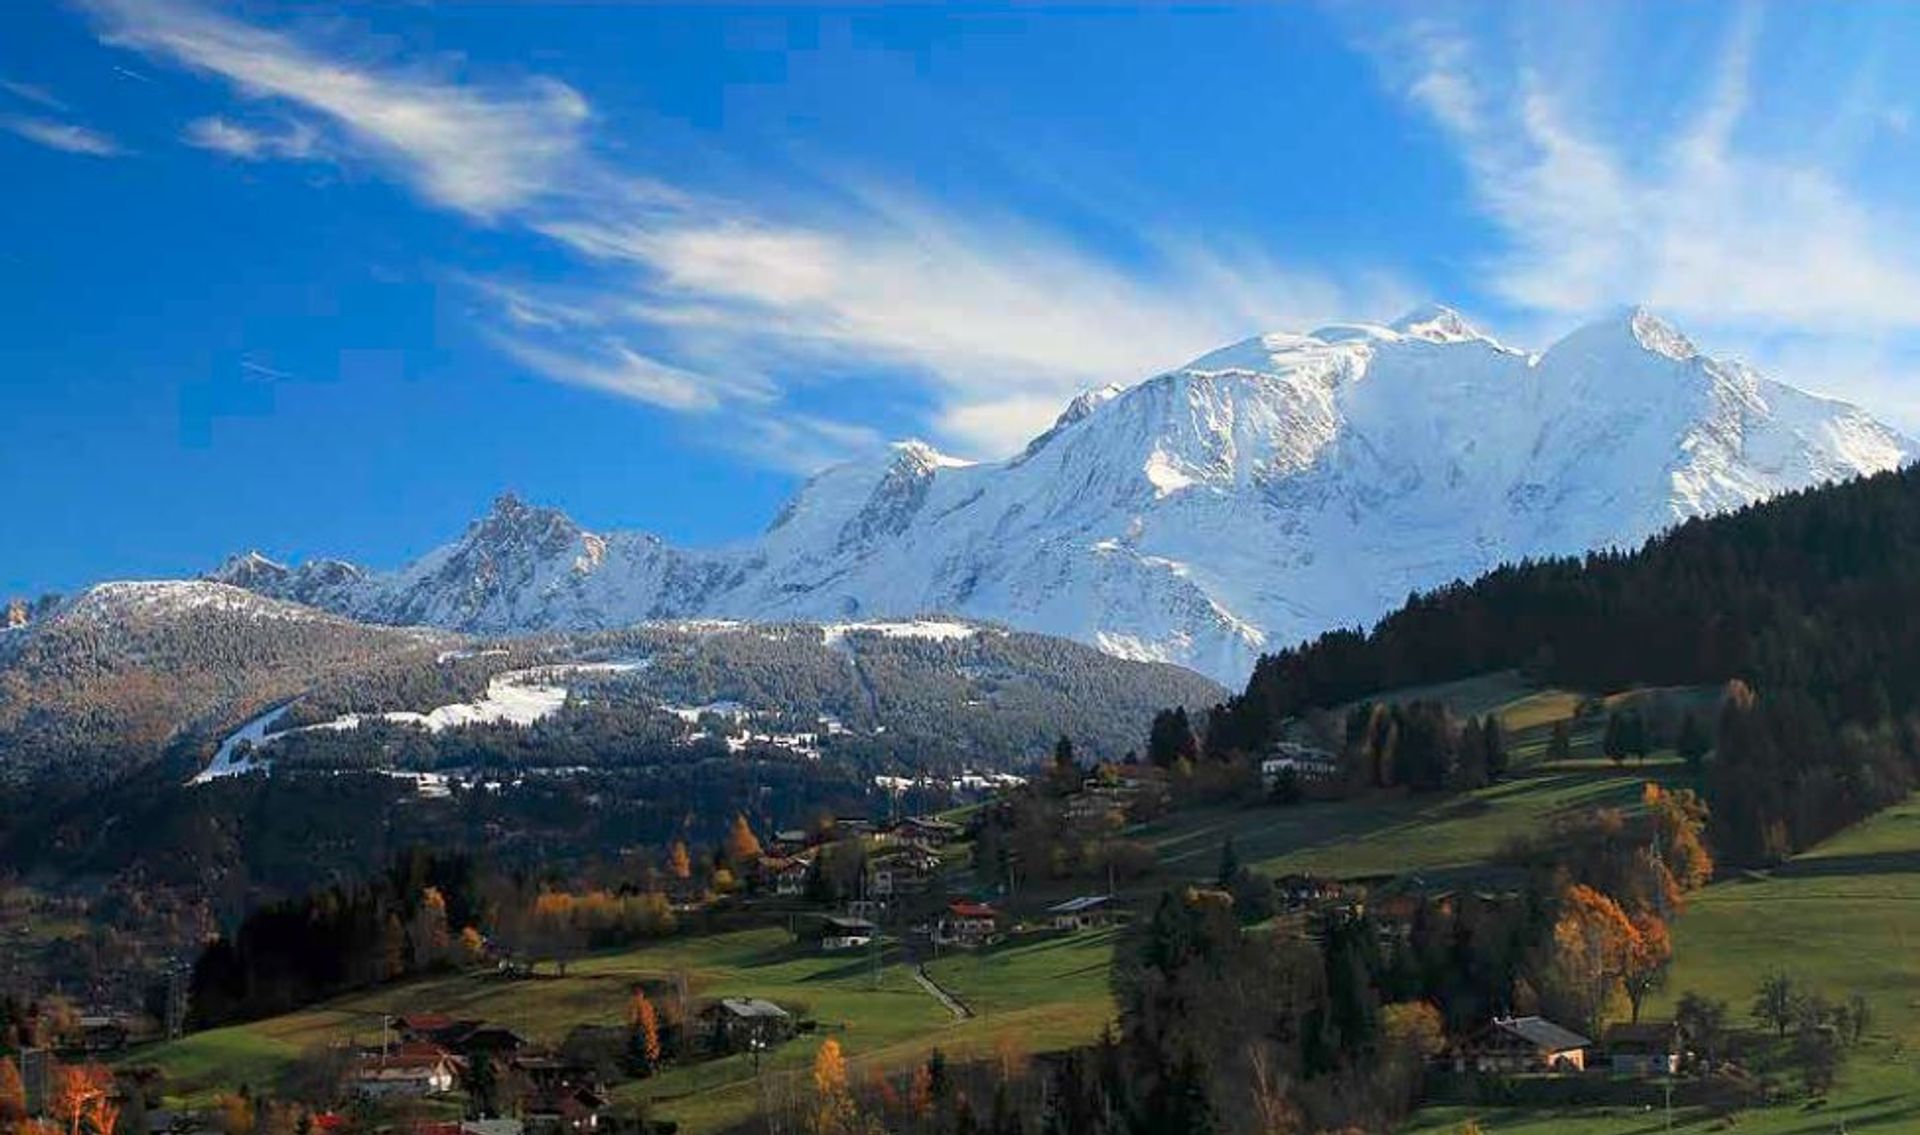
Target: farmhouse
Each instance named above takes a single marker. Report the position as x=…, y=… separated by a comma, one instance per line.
x=1307, y=762
x=785, y=876
x=907, y=872
x=1522, y=1044
x=102, y=1033
x=737, y=1024
x=928, y=831
x=1296, y=891
x=411, y=1070
x=1083, y=913
x=1651, y=1048
x=844, y=932
x=968, y=925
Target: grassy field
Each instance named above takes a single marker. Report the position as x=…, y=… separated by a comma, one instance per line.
x=1843, y=918
x=1388, y=835
x=1046, y=993
x=1391, y=835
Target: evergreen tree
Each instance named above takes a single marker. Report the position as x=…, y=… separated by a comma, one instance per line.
x=1560, y=741
x=1692, y=743
x=1229, y=864
x=1494, y=738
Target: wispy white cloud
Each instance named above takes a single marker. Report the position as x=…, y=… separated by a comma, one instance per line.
x=30, y=92
x=63, y=136
x=1001, y=321
x=987, y=324
x=484, y=150
x=616, y=368
x=294, y=140
x=1708, y=220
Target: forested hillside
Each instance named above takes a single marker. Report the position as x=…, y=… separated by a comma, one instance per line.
x=109, y=680
x=1803, y=601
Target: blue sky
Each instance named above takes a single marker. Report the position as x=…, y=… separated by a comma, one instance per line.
x=323, y=282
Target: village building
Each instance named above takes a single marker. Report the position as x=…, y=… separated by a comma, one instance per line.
x=907, y=872
x=569, y=1108
x=967, y=925
x=873, y=910
x=928, y=831
x=1651, y=1048
x=1522, y=1044
x=839, y=932
x=785, y=876
x=409, y=1071
x=1086, y=912
x=102, y=1033
x=1296, y=891
x=740, y=1024
x=473, y=1040
x=1307, y=762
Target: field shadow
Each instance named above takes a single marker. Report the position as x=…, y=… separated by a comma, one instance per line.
x=1865, y=863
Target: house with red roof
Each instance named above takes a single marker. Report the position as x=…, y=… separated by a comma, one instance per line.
x=967, y=925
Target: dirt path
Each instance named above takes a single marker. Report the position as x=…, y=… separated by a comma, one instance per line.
x=954, y=1005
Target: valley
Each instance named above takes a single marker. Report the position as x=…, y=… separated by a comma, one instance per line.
x=708, y=874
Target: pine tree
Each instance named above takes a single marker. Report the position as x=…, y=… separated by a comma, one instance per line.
x=1692, y=743
x=1560, y=741
x=1229, y=864
x=1494, y=738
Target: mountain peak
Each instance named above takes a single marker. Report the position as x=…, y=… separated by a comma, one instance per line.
x=912, y=451
x=1659, y=336
x=1640, y=326
x=1436, y=323
x=1086, y=402
x=248, y=569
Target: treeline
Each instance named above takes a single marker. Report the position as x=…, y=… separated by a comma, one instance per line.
x=293, y=953
x=994, y=698
x=1421, y=745
x=1798, y=598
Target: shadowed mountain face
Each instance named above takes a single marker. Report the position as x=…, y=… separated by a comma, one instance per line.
x=1263, y=493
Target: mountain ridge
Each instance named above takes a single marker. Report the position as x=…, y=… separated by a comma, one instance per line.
x=1264, y=492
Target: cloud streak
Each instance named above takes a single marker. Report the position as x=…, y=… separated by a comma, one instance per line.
x=295, y=141
x=63, y=136
x=484, y=151
x=1717, y=231
x=988, y=324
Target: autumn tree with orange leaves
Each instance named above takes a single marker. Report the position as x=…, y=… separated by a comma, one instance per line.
x=13, y=1096
x=1595, y=944
x=743, y=847
x=83, y=1099
x=1647, y=960
x=679, y=863
x=644, y=1021
x=833, y=1112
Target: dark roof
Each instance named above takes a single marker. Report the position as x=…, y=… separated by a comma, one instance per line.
x=750, y=1007
x=847, y=923
x=1541, y=1032
x=1081, y=904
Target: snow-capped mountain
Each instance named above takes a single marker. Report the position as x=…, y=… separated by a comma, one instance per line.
x=1260, y=494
